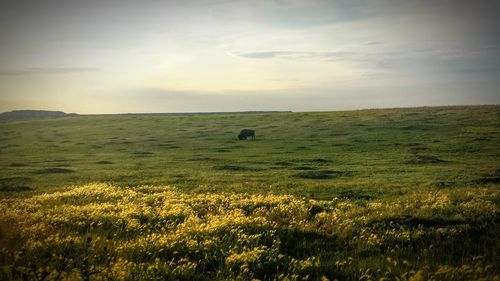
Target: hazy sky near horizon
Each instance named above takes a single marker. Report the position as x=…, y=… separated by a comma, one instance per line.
x=111, y=56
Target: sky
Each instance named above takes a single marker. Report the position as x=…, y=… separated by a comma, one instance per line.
x=128, y=56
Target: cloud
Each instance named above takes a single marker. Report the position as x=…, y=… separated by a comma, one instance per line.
x=454, y=53
x=325, y=56
x=480, y=70
x=45, y=70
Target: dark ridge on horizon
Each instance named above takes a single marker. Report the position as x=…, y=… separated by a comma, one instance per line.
x=193, y=113
x=34, y=114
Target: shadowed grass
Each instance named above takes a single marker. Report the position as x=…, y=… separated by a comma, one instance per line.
x=55, y=170
x=323, y=174
x=426, y=159
x=104, y=162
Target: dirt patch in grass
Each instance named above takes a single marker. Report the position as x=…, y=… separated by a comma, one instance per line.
x=305, y=168
x=234, y=168
x=15, y=184
x=408, y=127
x=104, y=162
x=426, y=159
x=142, y=153
x=322, y=174
x=202, y=159
x=414, y=222
x=18, y=165
x=487, y=180
x=167, y=145
x=320, y=160
x=284, y=163
x=14, y=188
x=481, y=139
x=302, y=148
x=237, y=146
x=445, y=184
x=26, y=179
x=352, y=194
x=493, y=178
x=417, y=147
x=340, y=144
x=59, y=162
x=55, y=170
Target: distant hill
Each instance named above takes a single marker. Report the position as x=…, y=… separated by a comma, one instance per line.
x=34, y=114
x=204, y=113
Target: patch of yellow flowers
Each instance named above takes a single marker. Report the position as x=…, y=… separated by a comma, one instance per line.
x=105, y=232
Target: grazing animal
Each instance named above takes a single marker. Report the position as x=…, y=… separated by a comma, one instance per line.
x=244, y=134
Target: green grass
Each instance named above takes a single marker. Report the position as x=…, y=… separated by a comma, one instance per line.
x=361, y=158
x=386, y=152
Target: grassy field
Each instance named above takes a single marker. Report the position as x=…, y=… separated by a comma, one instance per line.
x=356, y=195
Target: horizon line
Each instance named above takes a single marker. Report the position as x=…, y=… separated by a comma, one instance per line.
x=254, y=111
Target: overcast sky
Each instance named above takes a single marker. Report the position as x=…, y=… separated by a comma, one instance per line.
x=110, y=56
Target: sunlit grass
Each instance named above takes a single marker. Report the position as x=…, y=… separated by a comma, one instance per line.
x=100, y=231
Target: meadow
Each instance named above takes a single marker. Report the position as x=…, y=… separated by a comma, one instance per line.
x=391, y=194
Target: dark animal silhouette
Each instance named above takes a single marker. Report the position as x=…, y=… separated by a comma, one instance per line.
x=244, y=134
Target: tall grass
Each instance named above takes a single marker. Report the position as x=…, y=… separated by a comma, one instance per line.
x=105, y=232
